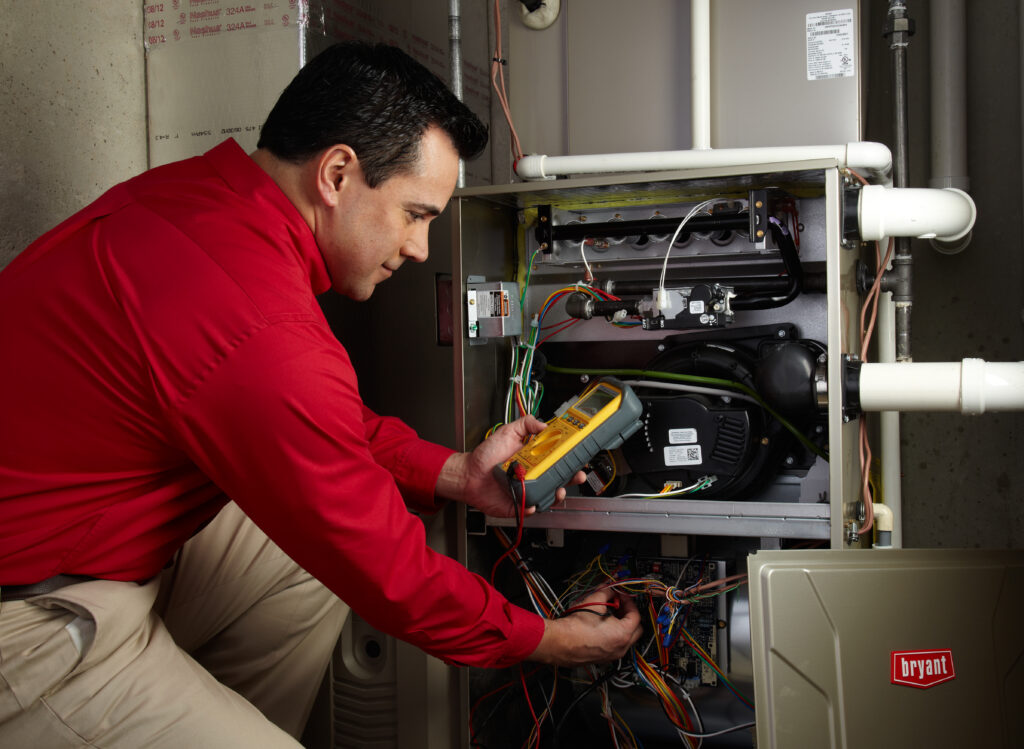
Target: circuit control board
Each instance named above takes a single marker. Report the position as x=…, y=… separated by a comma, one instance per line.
x=705, y=621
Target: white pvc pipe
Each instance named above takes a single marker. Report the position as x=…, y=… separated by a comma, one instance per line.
x=700, y=73
x=874, y=158
x=947, y=215
x=889, y=424
x=972, y=386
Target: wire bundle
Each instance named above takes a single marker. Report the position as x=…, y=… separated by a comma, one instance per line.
x=868, y=315
x=524, y=392
x=667, y=606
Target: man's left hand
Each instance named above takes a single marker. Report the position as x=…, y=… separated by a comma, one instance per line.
x=469, y=477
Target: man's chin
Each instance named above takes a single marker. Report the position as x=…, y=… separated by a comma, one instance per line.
x=357, y=294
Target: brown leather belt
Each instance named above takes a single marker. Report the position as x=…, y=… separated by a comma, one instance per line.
x=50, y=584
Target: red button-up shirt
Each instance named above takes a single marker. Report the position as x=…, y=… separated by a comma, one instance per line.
x=163, y=350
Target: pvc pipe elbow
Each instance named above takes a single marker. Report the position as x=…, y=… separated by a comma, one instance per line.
x=946, y=215
x=530, y=167
x=869, y=156
x=883, y=526
x=541, y=18
x=883, y=517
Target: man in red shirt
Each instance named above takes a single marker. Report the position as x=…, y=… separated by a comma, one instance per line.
x=189, y=480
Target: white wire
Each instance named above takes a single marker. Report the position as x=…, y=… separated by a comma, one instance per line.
x=606, y=707
x=699, y=389
x=693, y=212
x=724, y=731
x=589, y=276
x=549, y=713
x=693, y=709
x=546, y=589
x=511, y=386
x=692, y=487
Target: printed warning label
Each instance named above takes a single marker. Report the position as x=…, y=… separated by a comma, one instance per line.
x=830, y=45
x=682, y=436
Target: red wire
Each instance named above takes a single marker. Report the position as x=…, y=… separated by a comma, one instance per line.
x=560, y=324
x=472, y=711
x=519, y=401
x=612, y=604
x=476, y=705
x=521, y=475
x=529, y=703
x=565, y=327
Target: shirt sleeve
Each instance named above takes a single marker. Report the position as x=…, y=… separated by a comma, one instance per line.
x=414, y=464
x=279, y=425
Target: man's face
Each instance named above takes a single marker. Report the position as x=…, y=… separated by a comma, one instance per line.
x=371, y=231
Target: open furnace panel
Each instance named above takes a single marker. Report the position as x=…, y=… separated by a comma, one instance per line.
x=731, y=327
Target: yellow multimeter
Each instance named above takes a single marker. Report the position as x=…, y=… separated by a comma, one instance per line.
x=601, y=418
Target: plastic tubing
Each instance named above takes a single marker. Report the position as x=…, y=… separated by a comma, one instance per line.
x=866, y=156
x=972, y=386
x=946, y=215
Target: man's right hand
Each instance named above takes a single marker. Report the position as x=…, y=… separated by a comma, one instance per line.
x=589, y=635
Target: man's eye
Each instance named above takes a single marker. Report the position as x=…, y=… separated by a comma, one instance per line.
x=414, y=216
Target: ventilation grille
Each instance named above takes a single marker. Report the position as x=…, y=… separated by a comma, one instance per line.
x=731, y=440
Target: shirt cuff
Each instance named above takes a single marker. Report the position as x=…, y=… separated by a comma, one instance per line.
x=522, y=640
x=417, y=475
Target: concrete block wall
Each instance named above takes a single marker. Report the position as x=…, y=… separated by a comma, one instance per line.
x=72, y=109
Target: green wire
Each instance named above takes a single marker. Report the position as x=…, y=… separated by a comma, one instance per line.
x=697, y=380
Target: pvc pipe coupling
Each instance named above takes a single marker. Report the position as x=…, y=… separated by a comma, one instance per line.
x=972, y=386
x=946, y=215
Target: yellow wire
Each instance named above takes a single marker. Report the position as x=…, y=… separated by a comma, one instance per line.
x=625, y=725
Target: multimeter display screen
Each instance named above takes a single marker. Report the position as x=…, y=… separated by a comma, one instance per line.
x=597, y=399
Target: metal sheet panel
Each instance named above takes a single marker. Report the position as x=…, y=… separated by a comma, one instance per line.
x=825, y=623
x=765, y=91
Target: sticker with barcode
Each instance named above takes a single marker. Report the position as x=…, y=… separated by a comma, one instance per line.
x=830, y=45
x=682, y=455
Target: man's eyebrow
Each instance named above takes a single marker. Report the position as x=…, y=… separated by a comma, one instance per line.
x=430, y=210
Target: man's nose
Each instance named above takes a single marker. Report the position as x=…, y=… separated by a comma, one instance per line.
x=416, y=248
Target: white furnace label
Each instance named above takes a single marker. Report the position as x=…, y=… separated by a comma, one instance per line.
x=682, y=436
x=683, y=455
x=830, y=45
x=697, y=307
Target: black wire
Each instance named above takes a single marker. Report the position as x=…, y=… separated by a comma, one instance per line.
x=475, y=733
x=579, y=698
x=794, y=271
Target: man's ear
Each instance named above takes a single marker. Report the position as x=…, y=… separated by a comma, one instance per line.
x=335, y=168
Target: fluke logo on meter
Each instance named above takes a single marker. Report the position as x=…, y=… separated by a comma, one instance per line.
x=602, y=418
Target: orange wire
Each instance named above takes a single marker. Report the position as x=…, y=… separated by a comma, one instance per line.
x=498, y=83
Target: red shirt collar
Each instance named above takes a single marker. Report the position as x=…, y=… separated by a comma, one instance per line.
x=246, y=178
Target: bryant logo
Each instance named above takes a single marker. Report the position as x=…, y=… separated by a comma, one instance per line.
x=922, y=668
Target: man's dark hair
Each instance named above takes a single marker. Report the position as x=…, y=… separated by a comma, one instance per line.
x=375, y=99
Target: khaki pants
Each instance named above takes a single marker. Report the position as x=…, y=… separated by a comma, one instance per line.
x=233, y=634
